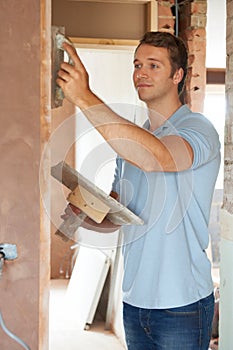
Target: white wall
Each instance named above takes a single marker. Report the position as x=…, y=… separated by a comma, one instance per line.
x=110, y=71
x=216, y=34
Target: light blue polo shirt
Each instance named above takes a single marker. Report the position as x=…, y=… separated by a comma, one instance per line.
x=165, y=263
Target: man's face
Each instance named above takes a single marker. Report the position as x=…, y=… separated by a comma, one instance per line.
x=152, y=73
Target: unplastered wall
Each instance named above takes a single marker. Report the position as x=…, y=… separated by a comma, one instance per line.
x=192, y=28
x=190, y=21
x=24, y=282
x=226, y=250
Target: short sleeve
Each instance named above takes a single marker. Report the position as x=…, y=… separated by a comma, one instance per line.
x=202, y=137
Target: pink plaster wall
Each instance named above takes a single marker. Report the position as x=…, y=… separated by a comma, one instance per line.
x=20, y=149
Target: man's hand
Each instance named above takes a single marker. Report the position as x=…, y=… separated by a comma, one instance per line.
x=105, y=226
x=74, y=79
x=70, y=210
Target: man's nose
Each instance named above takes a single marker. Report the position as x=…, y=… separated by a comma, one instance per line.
x=141, y=74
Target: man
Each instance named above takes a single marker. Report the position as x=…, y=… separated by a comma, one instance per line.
x=166, y=173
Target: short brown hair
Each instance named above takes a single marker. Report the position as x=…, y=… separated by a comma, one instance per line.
x=176, y=47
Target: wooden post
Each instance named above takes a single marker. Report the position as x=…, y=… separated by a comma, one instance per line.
x=152, y=15
x=45, y=121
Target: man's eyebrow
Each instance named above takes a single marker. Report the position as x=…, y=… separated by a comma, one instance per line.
x=149, y=59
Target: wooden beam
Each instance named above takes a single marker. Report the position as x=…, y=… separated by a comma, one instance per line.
x=117, y=1
x=102, y=42
x=215, y=75
x=152, y=15
x=43, y=264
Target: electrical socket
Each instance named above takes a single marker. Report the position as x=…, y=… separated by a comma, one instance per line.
x=9, y=251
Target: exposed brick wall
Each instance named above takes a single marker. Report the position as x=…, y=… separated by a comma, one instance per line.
x=193, y=31
x=166, y=19
x=192, y=28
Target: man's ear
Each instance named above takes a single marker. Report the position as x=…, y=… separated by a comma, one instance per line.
x=178, y=76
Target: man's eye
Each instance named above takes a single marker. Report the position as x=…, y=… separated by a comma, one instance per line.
x=136, y=66
x=153, y=65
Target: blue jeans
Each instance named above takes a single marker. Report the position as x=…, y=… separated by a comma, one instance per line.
x=181, y=328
